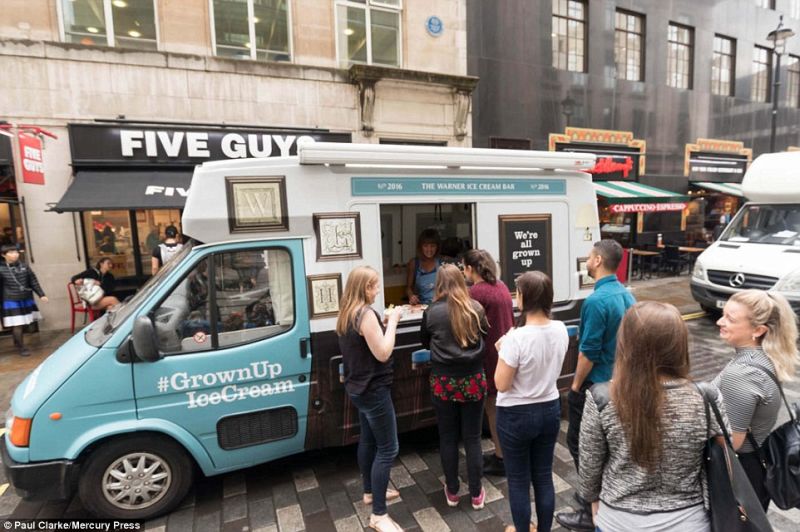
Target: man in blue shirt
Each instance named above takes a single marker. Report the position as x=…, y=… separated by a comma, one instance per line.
x=601, y=315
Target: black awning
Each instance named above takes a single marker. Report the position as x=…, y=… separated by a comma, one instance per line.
x=95, y=190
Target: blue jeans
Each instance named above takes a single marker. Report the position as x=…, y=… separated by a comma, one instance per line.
x=377, y=444
x=528, y=436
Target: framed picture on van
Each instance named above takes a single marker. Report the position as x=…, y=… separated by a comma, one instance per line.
x=324, y=292
x=257, y=204
x=338, y=235
x=584, y=279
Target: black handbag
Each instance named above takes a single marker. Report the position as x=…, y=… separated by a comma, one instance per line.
x=734, y=504
x=780, y=455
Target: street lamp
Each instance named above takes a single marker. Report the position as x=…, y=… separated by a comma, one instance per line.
x=567, y=108
x=778, y=36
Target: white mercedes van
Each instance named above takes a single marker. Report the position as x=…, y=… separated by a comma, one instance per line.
x=760, y=248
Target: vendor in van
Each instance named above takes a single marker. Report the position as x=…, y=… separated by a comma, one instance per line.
x=102, y=274
x=422, y=269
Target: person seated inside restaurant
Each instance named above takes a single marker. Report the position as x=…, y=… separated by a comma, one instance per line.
x=101, y=273
x=422, y=269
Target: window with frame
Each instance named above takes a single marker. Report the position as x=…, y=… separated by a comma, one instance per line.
x=794, y=9
x=629, y=45
x=569, y=35
x=766, y=4
x=228, y=299
x=251, y=29
x=762, y=74
x=723, y=66
x=680, y=56
x=369, y=31
x=793, y=81
x=124, y=23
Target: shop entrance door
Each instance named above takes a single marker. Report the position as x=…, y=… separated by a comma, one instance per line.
x=11, y=230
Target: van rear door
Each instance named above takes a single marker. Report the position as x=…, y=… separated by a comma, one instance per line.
x=234, y=334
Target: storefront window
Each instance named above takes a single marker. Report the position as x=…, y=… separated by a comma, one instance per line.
x=661, y=222
x=108, y=234
x=150, y=225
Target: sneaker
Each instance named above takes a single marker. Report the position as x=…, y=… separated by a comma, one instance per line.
x=390, y=496
x=452, y=500
x=477, y=502
x=510, y=528
x=383, y=523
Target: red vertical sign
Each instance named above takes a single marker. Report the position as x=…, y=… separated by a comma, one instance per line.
x=31, y=155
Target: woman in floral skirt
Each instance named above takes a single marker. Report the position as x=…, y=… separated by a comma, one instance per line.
x=454, y=327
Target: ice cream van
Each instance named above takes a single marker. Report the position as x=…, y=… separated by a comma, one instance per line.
x=228, y=357
x=760, y=248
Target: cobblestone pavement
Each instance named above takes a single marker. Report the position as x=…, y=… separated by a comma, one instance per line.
x=320, y=491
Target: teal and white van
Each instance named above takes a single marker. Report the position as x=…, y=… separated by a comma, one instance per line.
x=227, y=357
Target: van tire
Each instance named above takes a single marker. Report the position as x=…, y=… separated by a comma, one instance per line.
x=173, y=468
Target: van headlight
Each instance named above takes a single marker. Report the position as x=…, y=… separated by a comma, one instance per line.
x=790, y=283
x=699, y=272
x=9, y=420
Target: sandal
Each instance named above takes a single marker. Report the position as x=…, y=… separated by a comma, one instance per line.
x=383, y=523
x=390, y=496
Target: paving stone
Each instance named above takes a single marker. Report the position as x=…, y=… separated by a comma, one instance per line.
x=155, y=525
x=55, y=509
x=348, y=524
x=311, y=501
x=363, y=511
x=413, y=462
x=560, y=484
x=234, y=508
x=305, y=480
x=430, y=521
x=402, y=517
x=492, y=493
x=501, y=510
x=207, y=522
x=354, y=489
x=270, y=528
x=562, y=453
x=28, y=509
x=460, y=522
x=234, y=484
x=290, y=519
x=339, y=505
x=414, y=498
x=401, y=478
x=427, y=481
x=284, y=495
x=181, y=521
x=319, y=521
x=240, y=525
x=494, y=524
x=261, y=513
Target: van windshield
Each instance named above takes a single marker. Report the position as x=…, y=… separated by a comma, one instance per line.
x=99, y=332
x=766, y=224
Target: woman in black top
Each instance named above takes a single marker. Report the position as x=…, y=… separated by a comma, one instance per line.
x=102, y=274
x=17, y=285
x=454, y=327
x=366, y=348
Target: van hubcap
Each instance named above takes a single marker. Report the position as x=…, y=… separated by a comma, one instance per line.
x=136, y=481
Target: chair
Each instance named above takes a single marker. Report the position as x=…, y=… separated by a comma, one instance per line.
x=672, y=260
x=78, y=306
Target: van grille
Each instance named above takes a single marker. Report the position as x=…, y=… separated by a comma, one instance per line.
x=255, y=428
x=761, y=282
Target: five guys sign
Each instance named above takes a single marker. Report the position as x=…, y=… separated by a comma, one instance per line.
x=31, y=159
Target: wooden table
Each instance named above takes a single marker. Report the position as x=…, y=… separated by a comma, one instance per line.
x=642, y=254
x=689, y=249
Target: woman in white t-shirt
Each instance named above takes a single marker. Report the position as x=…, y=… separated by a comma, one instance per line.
x=528, y=404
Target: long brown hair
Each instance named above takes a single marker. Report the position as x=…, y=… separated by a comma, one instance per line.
x=355, y=297
x=464, y=319
x=652, y=343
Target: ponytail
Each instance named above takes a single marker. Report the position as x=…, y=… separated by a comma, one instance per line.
x=772, y=310
x=482, y=262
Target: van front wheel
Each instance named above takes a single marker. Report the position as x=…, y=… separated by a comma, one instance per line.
x=136, y=477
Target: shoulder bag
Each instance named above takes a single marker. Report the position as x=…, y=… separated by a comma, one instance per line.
x=780, y=455
x=734, y=505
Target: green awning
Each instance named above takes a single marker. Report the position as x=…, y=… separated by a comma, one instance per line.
x=732, y=189
x=630, y=192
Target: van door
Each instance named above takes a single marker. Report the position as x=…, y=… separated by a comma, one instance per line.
x=520, y=219
x=234, y=334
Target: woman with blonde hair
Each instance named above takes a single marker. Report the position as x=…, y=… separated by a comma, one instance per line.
x=643, y=433
x=453, y=328
x=366, y=346
x=762, y=328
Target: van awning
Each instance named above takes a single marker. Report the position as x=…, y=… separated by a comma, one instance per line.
x=96, y=190
x=732, y=189
x=630, y=192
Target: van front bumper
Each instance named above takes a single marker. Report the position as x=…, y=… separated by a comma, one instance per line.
x=56, y=479
x=712, y=296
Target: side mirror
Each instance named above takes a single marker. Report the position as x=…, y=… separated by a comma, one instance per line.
x=144, y=339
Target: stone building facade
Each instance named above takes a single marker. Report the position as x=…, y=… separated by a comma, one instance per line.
x=364, y=71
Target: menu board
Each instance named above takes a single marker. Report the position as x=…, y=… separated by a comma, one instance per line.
x=526, y=242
